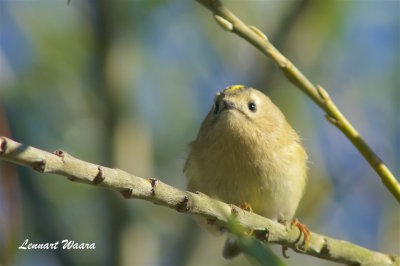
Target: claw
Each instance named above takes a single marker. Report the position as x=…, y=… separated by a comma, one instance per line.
x=284, y=249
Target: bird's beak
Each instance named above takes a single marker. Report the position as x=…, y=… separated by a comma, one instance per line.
x=228, y=104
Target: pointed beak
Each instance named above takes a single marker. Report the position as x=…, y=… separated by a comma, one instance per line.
x=228, y=104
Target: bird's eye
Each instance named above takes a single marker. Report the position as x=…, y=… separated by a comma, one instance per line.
x=216, y=108
x=252, y=107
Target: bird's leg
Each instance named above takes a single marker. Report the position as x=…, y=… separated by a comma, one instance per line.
x=247, y=207
x=303, y=229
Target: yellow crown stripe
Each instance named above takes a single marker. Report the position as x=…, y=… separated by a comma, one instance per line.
x=235, y=88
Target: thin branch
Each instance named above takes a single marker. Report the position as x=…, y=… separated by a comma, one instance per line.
x=228, y=21
x=217, y=212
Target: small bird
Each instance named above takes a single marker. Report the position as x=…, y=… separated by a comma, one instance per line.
x=247, y=153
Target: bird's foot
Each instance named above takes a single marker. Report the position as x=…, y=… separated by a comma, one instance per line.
x=304, y=230
x=247, y=207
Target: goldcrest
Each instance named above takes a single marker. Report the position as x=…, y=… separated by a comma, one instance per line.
x=246, y=152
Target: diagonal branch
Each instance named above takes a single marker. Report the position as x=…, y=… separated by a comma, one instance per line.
x=228, y=21
x=217, y=212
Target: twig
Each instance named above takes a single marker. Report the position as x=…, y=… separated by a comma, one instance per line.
x=228, y=21
x=217, y=212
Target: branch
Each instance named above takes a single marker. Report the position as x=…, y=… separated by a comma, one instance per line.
x=228, y=21
x=217, y=212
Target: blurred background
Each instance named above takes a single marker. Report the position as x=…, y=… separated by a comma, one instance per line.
x=126, y=84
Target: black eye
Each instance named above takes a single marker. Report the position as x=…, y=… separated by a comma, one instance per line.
x=216, y=108
x=252, y=107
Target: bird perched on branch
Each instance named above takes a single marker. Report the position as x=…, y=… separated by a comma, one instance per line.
x=247, y=153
